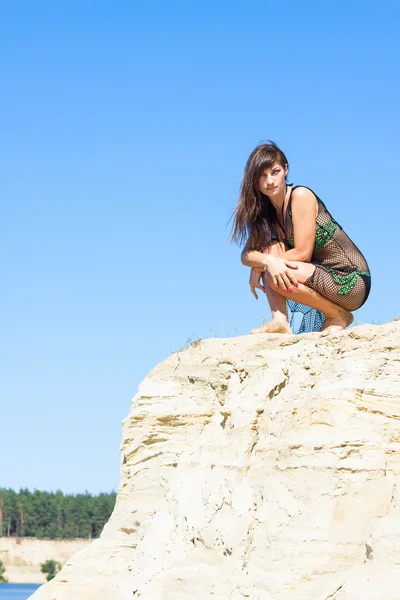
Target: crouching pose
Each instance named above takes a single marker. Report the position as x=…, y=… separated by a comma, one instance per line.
x=298, y=254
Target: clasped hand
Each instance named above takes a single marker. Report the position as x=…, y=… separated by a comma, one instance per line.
x=256, y=276
x=281, y=272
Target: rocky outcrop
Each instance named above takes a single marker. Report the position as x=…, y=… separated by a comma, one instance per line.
x=262, y=467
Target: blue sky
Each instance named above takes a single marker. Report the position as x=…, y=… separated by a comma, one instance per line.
x=125, y=130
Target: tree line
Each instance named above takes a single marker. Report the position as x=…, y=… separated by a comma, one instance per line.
x=53, y=515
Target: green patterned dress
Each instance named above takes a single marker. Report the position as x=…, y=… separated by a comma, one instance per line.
x=341, y=271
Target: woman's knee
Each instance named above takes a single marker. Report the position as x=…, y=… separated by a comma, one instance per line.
x=267, y=280
x=275, y=248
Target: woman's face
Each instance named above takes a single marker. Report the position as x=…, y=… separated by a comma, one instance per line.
x=272, y=181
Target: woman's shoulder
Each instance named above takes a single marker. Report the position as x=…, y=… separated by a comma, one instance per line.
x=303, y=193
x=302, y=190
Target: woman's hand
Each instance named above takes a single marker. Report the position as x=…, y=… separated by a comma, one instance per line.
x=281, y=272
x=255, y=278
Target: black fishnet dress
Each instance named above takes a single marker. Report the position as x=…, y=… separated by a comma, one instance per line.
x=341, y=271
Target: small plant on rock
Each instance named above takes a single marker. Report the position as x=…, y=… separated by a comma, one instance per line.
x=51, y=567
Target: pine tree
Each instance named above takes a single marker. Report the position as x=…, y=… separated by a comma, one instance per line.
x=51, y=567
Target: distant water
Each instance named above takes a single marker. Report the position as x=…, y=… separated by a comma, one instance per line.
x=17, y=591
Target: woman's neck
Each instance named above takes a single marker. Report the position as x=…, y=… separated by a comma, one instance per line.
x=279, y=201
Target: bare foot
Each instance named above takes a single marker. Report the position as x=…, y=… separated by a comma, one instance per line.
x=343, y=319
x=273, y=327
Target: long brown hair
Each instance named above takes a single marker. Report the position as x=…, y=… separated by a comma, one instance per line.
x=255, y=216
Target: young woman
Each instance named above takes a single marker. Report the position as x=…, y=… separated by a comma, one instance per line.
x=297, y=252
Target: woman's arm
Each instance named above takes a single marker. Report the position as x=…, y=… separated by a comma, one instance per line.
x=304, y=213
x=253, y=258
x=279, y=268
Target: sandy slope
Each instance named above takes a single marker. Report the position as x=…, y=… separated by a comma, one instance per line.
x=22, y=556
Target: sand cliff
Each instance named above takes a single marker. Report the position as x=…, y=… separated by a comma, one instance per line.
x=262, y=467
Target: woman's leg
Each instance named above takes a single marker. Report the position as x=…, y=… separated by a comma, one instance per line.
x=336, y=317
x=277, y=302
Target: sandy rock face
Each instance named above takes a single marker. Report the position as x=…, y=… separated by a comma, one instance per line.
x=262, y=467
